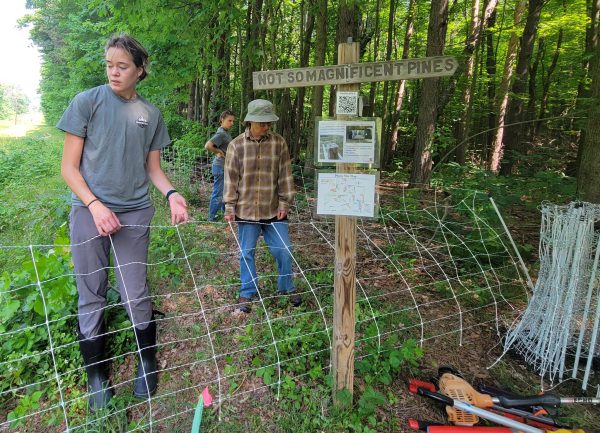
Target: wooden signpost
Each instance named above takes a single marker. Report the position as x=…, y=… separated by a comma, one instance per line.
x=347, y=74
x=344, y=281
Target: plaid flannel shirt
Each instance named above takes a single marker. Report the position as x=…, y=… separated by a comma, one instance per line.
x=258, y=177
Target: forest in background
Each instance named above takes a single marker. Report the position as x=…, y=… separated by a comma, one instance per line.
x=528, y=65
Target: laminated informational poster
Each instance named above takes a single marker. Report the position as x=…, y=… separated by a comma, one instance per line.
x=348, y=194
x=351, y=141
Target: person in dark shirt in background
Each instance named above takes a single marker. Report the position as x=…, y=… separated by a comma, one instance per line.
x=218, y=145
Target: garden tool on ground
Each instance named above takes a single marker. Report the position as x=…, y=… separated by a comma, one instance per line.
x=487, y=415
x=440, y=428
x=469, y=419
x=430, y=427
x=457, y=388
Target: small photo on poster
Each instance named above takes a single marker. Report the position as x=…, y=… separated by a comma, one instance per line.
x=332, y=147
x=359, y=143
x=331, y=141
x=359, y=133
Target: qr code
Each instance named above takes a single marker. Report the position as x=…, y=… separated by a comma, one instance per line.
x=347, y=103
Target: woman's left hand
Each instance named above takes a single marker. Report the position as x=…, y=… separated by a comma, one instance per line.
x=179, y=213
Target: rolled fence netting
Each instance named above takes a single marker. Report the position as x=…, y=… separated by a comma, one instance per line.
x=557, y=333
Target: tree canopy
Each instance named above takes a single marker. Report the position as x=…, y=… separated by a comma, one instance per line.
x=523, y=63
x=12, y=101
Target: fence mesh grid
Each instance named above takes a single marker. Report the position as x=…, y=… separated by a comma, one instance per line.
x=432, y=265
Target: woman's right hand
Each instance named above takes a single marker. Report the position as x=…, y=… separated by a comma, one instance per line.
x=106, y=220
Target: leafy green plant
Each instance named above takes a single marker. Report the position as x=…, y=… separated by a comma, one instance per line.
x=27, y=404
x=166, y=248
x=369, y=401
x=231, y=370
x=267, y=374
x=378, y=364
x=34, y=301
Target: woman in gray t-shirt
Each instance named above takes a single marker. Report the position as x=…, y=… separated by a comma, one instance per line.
x=113, y=138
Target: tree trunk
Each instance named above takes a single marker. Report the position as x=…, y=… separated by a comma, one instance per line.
x=392, y=145
x=250, y=52
x=513, y=135
x=348, y=19
x=347, y=27
x=385, y=156
x=497, y=150
x=532, y=86
x=219, y=98
x=199, y=93
x=591, y=45
x=588, y=178
x=428, y=105
x=490, y=64
x=282, y=98
x=206, y=96
x=370, y=107
x=469, y=52
x=317, y=96
x=546, y=83
x=191, y=108
x=285, y=112
x=246, y=59
x=450, y=88
x=309, y=17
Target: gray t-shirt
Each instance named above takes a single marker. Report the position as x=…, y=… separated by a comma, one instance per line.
x=221, y=140
x=118, y=135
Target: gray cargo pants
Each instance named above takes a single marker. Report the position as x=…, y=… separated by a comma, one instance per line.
x=91, y=261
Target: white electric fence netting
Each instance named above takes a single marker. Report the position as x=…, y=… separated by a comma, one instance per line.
x=431, y=266
x=558, y=332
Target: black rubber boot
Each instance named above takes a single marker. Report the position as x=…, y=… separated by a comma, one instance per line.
x=96, y=367
x=146, y=380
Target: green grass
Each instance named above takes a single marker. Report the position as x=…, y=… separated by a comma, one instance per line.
x=33, y=192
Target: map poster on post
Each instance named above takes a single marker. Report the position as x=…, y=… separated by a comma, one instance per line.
x=348, y=194
x=347, y=141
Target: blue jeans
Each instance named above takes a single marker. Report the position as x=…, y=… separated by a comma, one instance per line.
x=216, y=199
x=278, y=240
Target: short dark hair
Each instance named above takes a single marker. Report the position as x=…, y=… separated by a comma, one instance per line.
x=224, y=114
x=136, y=50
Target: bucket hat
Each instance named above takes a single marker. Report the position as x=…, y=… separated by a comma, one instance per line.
x=260, y=110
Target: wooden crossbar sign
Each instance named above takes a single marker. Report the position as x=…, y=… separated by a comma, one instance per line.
x=350, y=73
